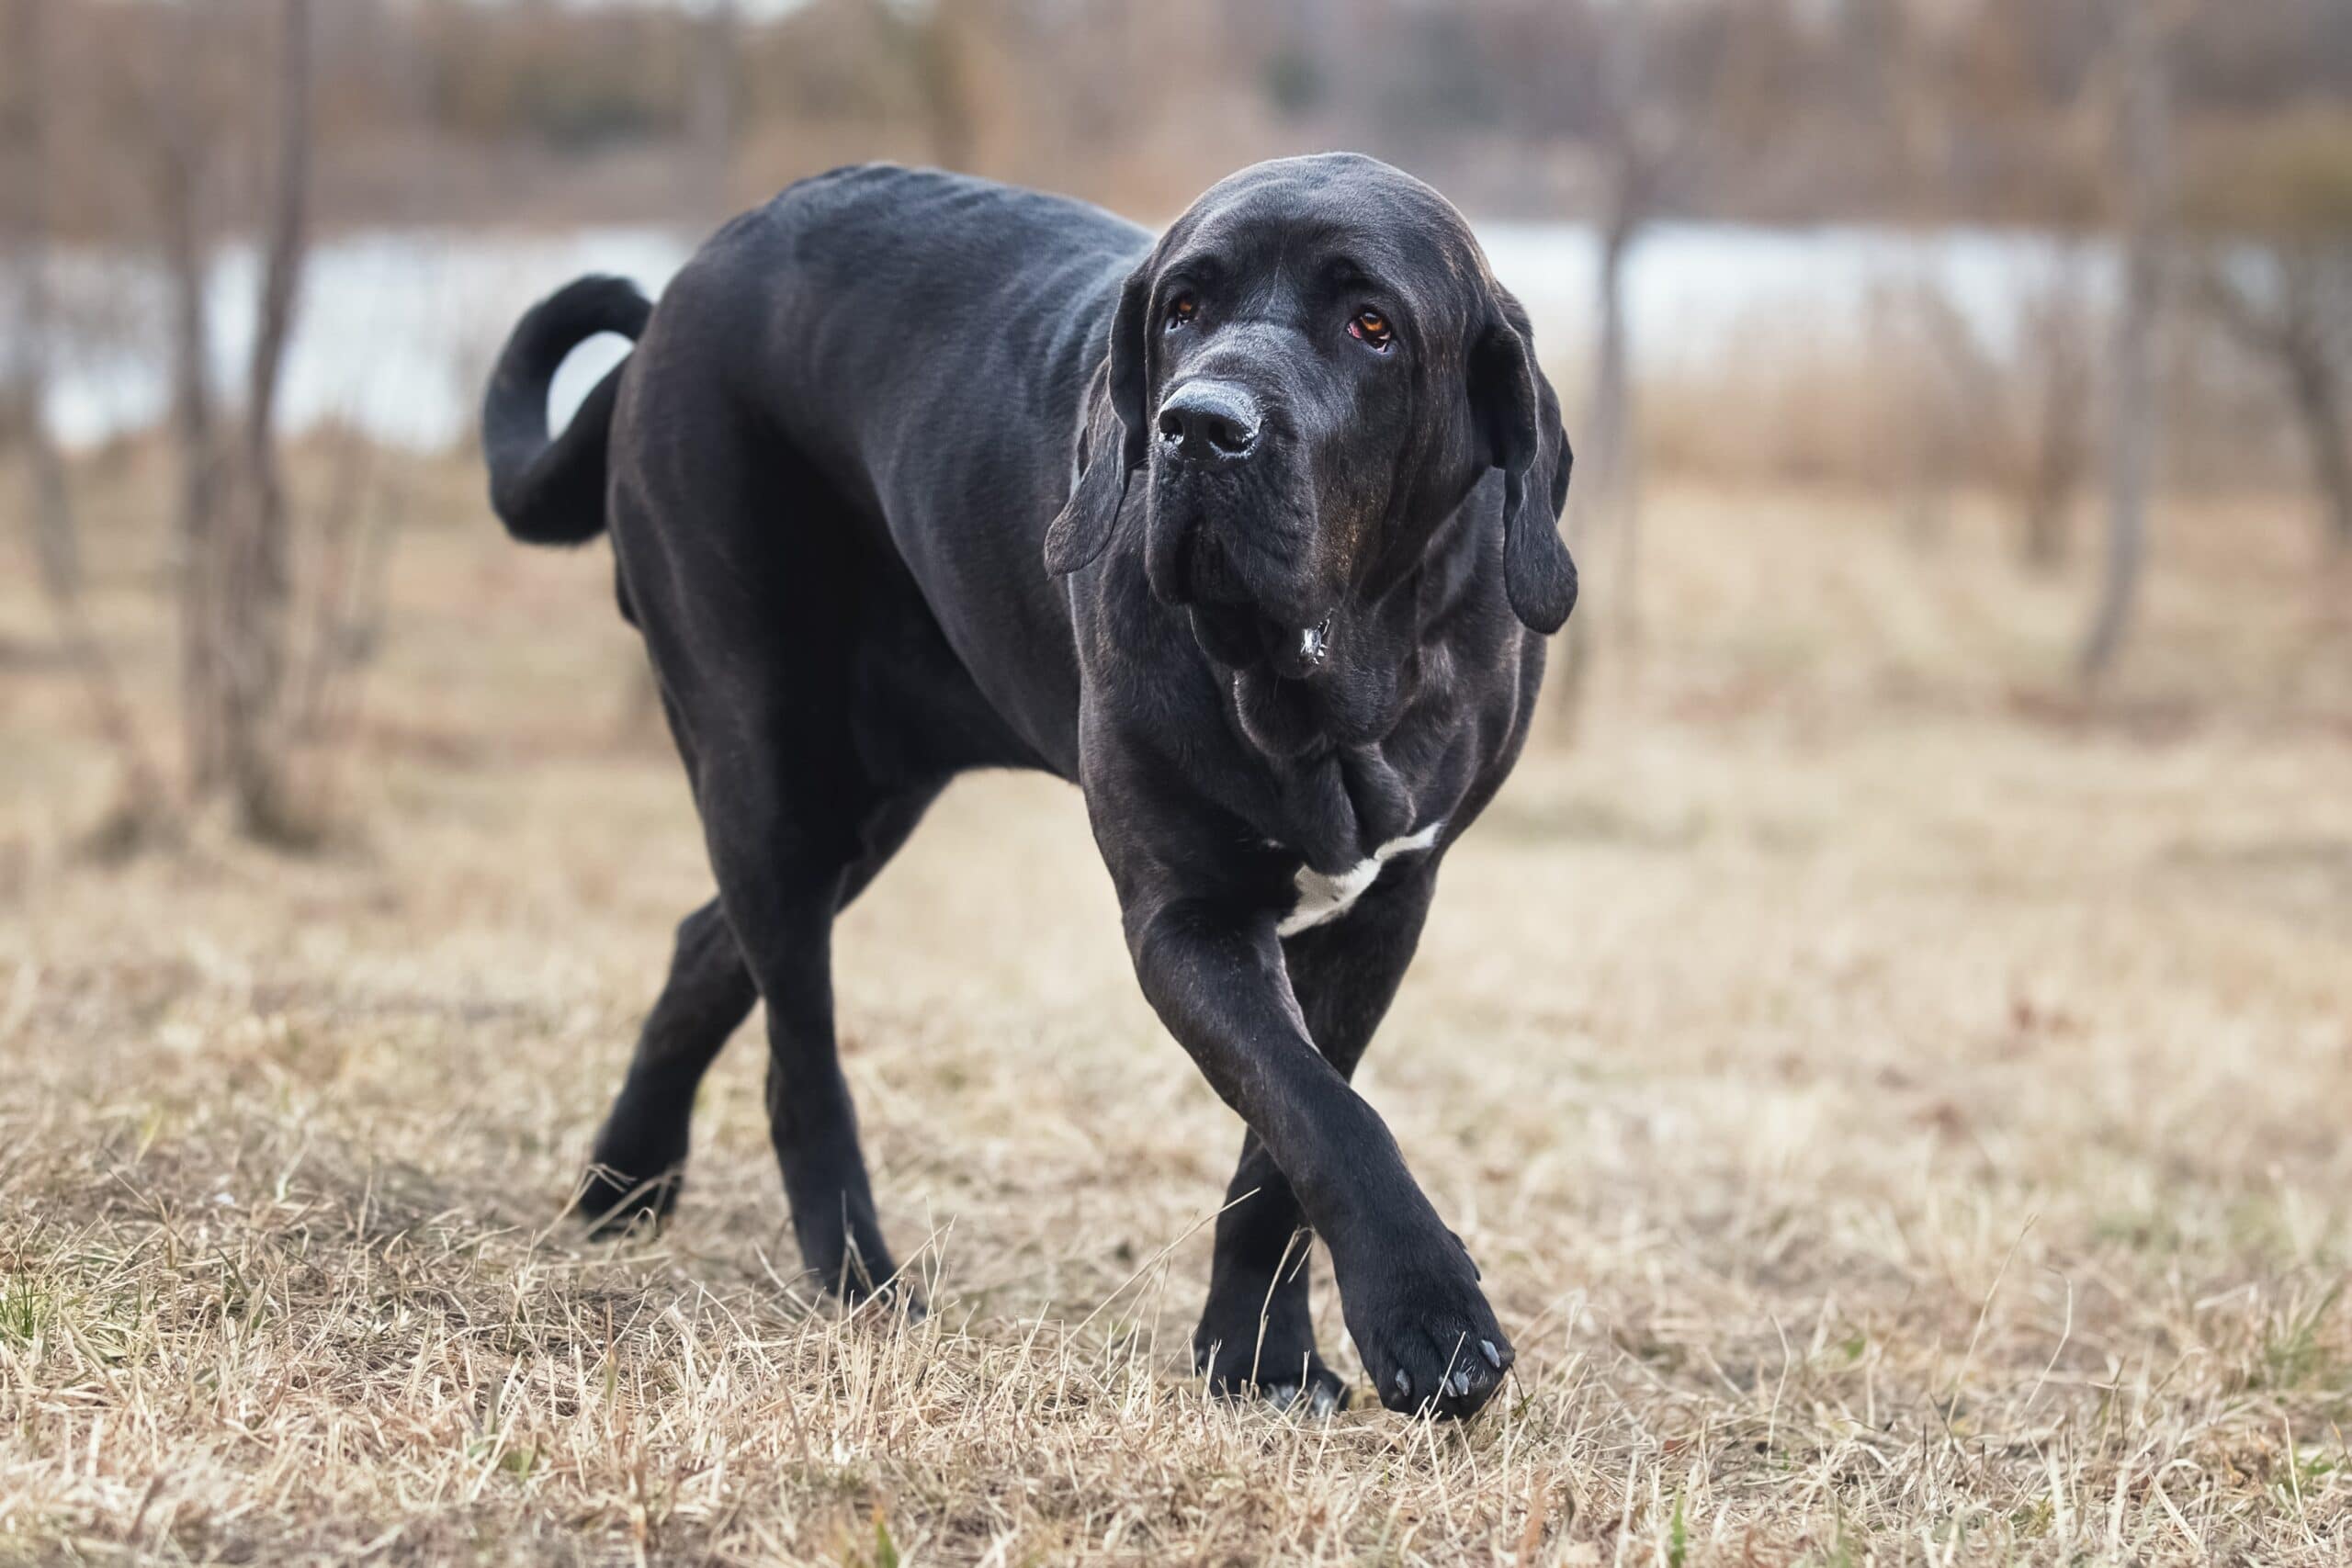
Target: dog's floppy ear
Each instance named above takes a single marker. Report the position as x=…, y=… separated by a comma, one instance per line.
x=1519, y=416
x=1110, y=440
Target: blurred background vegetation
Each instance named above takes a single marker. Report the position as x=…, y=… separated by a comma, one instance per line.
x=1778, y=110
x=2075, y=256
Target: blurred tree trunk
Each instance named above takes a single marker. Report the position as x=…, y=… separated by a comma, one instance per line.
x=2296, y=334
x=2060, y=440
x=711, y=111
x=24, y=230
x=254, y=576
x=26, y=154
x=1614, y=471
x=2143, y=127
x=2315, y=385
x=180, y=199
x=24, y=244
x=1608, y=496
x=2319, y=400
x=235, y=582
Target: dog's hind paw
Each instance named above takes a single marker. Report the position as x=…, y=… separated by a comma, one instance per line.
x=1323, y=1394
x=612, y=1205
x=895, y=1299
x=1300, y=1382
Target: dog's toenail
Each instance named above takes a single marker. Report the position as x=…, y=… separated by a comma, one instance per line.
x=1403, y=1385
x=1461, y=1384
x=1325, y=1401
x=1494, y=1357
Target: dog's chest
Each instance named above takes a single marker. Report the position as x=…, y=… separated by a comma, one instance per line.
x=1324, y=897
x=1351, y=814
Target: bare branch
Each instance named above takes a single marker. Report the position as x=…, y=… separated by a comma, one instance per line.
x=2143, y=157
x=257, y=587
x=23, y=241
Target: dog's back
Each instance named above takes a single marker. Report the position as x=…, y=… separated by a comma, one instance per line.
x=909, y=330
x=853, y=315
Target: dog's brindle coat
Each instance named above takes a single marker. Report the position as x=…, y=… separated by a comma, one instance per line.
x=1249, y=532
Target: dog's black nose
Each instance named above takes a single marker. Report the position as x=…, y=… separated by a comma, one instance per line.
x=1210, y=422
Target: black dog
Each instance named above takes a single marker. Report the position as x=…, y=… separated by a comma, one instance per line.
x=1250, y=532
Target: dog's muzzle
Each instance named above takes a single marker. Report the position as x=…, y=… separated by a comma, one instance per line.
x=1249, y=609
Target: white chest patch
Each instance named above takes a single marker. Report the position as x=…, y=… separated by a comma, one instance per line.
x=1322, y=899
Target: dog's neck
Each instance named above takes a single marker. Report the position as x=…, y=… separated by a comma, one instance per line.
x=1323, y=739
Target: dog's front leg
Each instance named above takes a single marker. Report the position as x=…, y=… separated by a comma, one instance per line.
x=1215, y=973
x=1256, y=1330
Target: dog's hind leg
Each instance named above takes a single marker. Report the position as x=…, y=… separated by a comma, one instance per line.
x=789, y=860
x=754, y=587
x=641, y=1152
x=1256, y=1333
x=796, y=826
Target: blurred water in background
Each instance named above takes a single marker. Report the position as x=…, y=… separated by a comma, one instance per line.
x=398, y=327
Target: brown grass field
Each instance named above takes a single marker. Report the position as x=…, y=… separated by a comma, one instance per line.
x=1901, y=1112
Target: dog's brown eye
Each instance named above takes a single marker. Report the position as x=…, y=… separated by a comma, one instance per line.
x=1180, y=310
x=1373, y=328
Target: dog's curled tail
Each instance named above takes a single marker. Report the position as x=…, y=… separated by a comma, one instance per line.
x=551, y=490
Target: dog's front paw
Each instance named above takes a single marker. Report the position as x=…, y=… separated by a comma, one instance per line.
x=1428, y=1340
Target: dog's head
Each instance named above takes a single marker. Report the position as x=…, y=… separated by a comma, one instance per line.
x=1311, y=371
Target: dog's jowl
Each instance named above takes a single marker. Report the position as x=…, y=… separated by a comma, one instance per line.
x=1249, y=529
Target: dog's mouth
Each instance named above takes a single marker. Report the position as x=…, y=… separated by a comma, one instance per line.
x=1241, y=620
x=1240, y=639
x=1297, y=652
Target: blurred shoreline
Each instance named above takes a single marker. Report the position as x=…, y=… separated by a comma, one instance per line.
x=1799, y=354
x=397, y=324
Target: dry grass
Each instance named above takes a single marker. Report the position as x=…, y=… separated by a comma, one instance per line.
x=1901, y=1116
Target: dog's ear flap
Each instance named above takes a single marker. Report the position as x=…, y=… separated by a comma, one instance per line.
x=1520, y=415
x=1110, y=442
